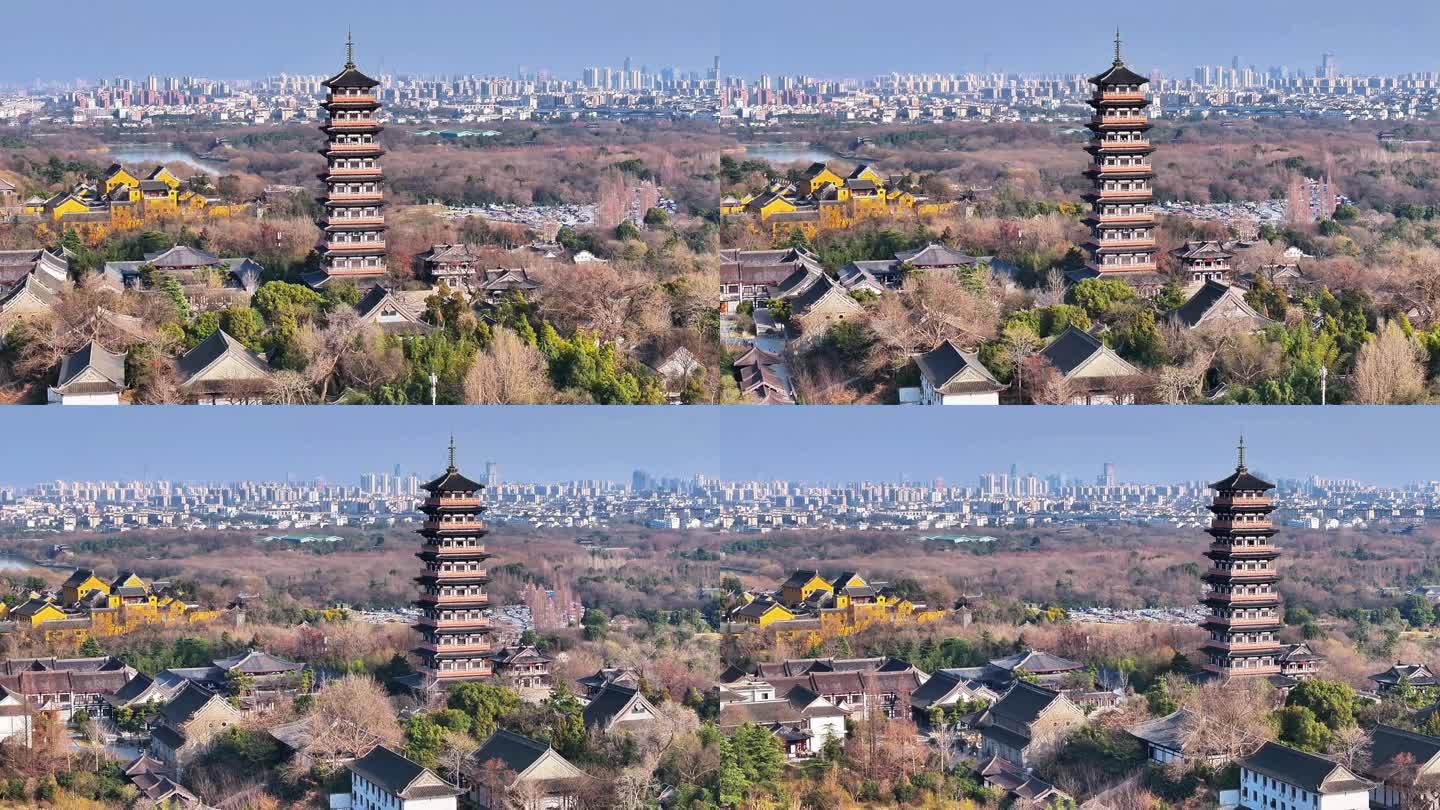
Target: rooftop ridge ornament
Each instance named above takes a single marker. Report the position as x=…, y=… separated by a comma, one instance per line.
x=1241, y=466
x=1118, y=60
x=452, y=467
x=350, y=50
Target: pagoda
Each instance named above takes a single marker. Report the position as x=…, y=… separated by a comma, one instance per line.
x=1243, y=601
x=454, y=625
x=1122, y=227
x=353, y=243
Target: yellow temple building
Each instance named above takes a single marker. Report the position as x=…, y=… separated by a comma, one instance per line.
x=123, y=200
x=809, y=607
x=823, y=200
x=87, y=605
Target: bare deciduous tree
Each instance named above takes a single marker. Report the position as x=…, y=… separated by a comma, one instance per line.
x=508, y=372
x=1389, y=369
x=1225, y=720
x=351, y=715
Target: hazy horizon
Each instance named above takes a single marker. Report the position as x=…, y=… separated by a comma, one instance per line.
x=425, y=36
x=1148, y=444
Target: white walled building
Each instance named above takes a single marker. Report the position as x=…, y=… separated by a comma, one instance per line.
x=385, y=780
x=1278, y=777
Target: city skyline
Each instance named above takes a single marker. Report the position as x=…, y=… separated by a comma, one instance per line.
x=812, y=445
x=750, y=38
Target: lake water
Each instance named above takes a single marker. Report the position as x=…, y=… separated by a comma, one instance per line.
x=144, y=158
x=8, y=563
x=786, y=153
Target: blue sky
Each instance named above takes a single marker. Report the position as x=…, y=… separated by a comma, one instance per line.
x=1395, y=445
x=842, y=37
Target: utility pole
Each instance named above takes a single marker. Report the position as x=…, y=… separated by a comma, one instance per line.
x=433, y=381
x=1324, y=372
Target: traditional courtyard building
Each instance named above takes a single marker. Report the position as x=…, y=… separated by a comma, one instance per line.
x=1243, y=602
x=353, y=245
x=454, y=621
x=1122, y=227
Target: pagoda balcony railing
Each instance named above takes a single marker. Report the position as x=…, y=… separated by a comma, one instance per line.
x=1105, y=120
x=354, y=123
x=1228, y=524
x=335, y=146
x=356, y=196
x=1238, y=574
x=1101, y=96
x=1126, y=268
x=1243, y=671
x=481, y=668
x=455, y=648
x=365, y=99
x=1146, y=218
x=362, y=222
x=355, y=247
x=1106, y=143
x=1142, y=167
x=454, y=525
x=453, y=502
x=1129, y=192
x=1235, y=598
x=1146, y=242
x=455, y=624
x=1226, y=548
x=454, y=601
x=1228, y=622
x=348, y=173
x=1241, y=646
x=1240, y=500
x=454, y=551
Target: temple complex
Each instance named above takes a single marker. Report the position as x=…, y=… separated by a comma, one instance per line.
x=1122, y=226
x=353, y=244
x=454, y=625
x=1243, y=602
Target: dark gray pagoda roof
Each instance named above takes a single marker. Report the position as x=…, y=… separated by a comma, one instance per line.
x=452, y=481
x=1118, y=74
x=350, y=77
x=1240, y=480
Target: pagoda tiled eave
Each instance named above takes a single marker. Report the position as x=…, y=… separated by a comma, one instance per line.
x=1120, y=147
x=452, y=602
x=1114, y=124
x=448, y=578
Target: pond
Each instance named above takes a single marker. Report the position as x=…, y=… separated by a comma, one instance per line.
x=143, y=157
x=787, y=153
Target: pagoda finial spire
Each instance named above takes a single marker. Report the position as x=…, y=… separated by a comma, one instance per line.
x=1118, y=60
x=1241, y=466
x=452, y=467
x=350, y=50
